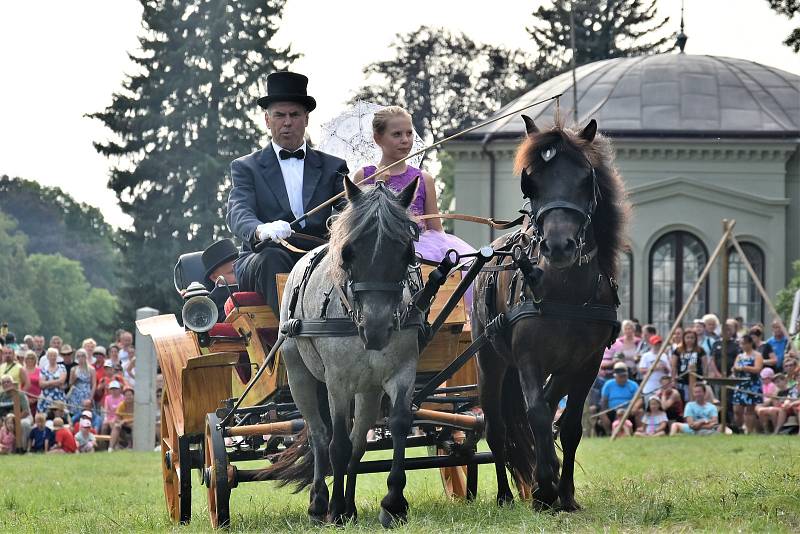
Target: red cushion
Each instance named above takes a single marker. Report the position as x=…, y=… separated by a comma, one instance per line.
x=244, y=298
x=224, y=330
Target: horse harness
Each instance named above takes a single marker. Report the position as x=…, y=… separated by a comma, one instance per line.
x=347, y=295
x=522, y=300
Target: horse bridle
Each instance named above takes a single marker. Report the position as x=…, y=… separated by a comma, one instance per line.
x=586, y=212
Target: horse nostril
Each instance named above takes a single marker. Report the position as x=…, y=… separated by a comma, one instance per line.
x=571, y=246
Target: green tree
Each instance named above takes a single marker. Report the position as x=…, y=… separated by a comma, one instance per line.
x=604, y=29
x=785, y=297
x=56, y=224
x=790, y=8
x=65, y=302
x=178, y=123
x=16, y=281
x=445, y=80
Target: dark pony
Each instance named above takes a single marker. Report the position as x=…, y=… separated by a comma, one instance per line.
x=578, y=212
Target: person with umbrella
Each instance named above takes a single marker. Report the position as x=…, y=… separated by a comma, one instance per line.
x=278, y=184
x=393, y=132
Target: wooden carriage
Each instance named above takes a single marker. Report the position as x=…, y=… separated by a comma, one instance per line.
x=204, y=373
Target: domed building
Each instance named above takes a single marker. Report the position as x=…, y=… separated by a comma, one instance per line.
x=698, y=139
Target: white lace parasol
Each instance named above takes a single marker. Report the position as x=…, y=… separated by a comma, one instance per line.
x=349, y=136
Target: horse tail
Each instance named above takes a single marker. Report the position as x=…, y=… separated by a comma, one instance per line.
x=519, y=446
x=295, y=465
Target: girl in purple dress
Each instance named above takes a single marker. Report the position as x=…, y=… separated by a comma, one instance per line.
x=394, y=134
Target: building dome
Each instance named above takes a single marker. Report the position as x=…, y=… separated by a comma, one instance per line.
x=675, y=95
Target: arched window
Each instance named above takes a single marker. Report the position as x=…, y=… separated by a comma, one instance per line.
x=676, y=261
x=744, y=299
x=625, y=286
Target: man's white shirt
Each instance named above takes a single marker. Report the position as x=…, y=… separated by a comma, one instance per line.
x=292, y=170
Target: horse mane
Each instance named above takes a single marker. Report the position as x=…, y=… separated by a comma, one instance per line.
x=376, y=210
x=613, y=209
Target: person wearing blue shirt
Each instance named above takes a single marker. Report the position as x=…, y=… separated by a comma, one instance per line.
x=700, y=416
x=615, y=393
x=779, y=343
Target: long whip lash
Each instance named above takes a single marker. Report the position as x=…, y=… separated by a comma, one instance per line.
x=424, y=149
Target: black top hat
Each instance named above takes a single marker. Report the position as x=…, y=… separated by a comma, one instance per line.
x=218, y=253
x=287, y=87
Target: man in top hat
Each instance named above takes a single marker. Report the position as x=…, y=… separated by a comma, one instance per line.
x=218, y=260
x=277, y=184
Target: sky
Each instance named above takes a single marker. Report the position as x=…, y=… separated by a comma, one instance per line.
x=62, y=59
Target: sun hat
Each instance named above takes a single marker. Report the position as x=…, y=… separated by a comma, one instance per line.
x=65, y=349
x=767, y=372
x=85, y=423
x=58, y=405
x=108, y=363
x=86, y=413
x=99, y=349
x=114, y=384
x=620, y=366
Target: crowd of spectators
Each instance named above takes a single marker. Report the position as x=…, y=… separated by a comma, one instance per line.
x=67, y=400
x=683, y=393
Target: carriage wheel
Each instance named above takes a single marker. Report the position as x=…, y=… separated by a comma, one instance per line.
x=216, y=474
x=177, y=483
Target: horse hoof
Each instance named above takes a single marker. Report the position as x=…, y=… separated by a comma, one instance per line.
x=318, y=519
x=543, y=500
x=505, y=499
x=569, y=505
x=389, y=520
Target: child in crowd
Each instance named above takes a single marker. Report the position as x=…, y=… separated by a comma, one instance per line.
x=124, y=420
x=110, y=405
x=627, y=428
x=85, y=437
x=41, y=438
x=8, y=437
x=393, y=132
x=64, y=440
x=654, y=421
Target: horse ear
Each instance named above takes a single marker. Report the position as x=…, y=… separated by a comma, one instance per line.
x=590, y=131
x=406, y=196
x=530, y=127
x=352, y=191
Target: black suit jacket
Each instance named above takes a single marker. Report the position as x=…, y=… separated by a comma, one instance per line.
x=259, y=193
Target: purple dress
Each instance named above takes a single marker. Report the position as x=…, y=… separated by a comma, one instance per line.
x=433, y=244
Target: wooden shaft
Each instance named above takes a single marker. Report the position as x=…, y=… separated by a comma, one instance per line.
x=678, y=319
x=282, y=428
x=454, y=419
x=760, y=287
x=418, y=152
x=725, y=283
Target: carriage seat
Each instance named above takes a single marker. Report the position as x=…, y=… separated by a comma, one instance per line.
x=244, y=299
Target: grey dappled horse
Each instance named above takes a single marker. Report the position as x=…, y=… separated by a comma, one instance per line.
x=371, y=245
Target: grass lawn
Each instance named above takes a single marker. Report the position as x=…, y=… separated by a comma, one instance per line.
x=720, y=483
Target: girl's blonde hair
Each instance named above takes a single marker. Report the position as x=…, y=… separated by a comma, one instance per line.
x=381, y=118
x=9, y=417
x=30, y=355
x=85, y=365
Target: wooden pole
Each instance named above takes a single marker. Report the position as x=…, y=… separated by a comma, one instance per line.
x=678, y=319
x=760, y=287
x=725, y=283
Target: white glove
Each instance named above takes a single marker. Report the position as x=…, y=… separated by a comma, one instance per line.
x=274, y=231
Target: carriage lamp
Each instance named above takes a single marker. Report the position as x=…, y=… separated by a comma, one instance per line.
x=199, y=312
